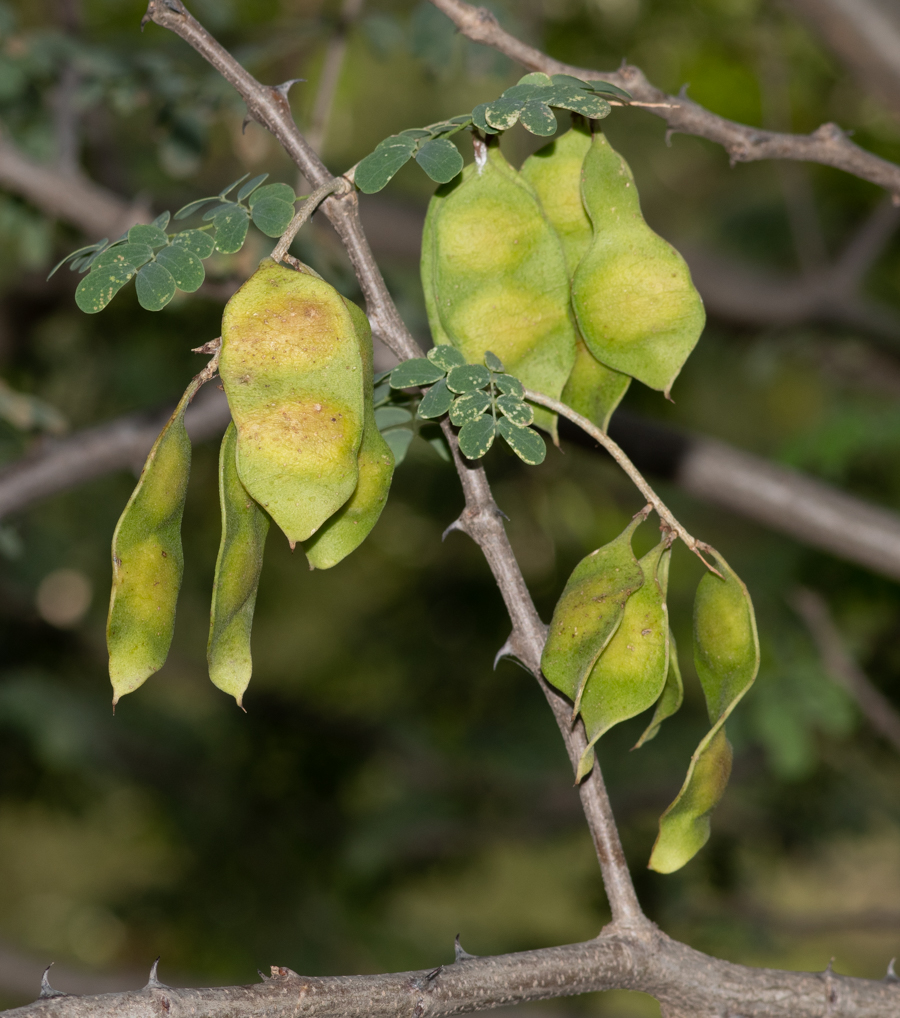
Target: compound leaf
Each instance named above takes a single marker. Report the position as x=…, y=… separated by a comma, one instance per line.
x=476, y=437
x=440, y=159
x=185, y=267
x=231, y=223
x=526, y=443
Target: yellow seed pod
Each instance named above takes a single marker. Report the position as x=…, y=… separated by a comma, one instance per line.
x=244, y=529
x=630, y=674
x=292, y=370
x=554, y=172
x=147, y=560
x=495, y=278
x=636, y=306
x=350, y=525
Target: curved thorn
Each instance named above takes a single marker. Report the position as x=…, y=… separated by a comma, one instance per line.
x=285, y=86
x=507, y=650
x=891, y=976
x=153, y=982
x=46, y=989
x=455, y=525
x=461, y=953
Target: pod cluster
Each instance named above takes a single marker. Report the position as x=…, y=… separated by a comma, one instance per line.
x=611, y=651
x=303, y=450
x=554, y=269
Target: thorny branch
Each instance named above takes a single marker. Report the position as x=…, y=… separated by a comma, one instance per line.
x=631, y=953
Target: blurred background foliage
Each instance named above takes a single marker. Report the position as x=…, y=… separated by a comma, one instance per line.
x=387, y=789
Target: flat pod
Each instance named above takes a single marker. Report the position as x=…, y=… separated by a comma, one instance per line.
x=346, y=530
x=147, y=560
x=494, y=275
x=239, y=563
x=554, y=171
x=589, y=612
x=726, y=654
x=293, y=374
x=636, y=306
x=630, y=674
x=671, y=698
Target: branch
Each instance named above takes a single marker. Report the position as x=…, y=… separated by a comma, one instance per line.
x=828, y=144
x=269, y=107
x=875, y=706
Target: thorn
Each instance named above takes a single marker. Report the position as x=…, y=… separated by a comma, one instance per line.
x=891, y=976
x=500, y=512
x=285, y=86
x=46, y=989
x=210, y=346
x=461, y=953
x=682, y=92
x=455, y=525
x=505, y=651
x=669, y=132
x=153, y=982
x=434, y=973
x=247, y=120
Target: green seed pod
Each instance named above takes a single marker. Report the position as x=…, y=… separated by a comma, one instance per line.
x=726, y=654
x=292, y=370
x=147, y=560
x=634, y=300
x=630, y=674
x=554, y=172
x=494, y=275
x=589, y=612
x=244, y=529
x=348, y=528
x=672, y=696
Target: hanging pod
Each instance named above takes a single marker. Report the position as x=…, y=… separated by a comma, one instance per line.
x=147, y=560
x=590, y=611
x=239, y=563
x=636, y=306
x=726, y=655
x=293, y=373
x=495, y=278
x=554, y=172
x=350, y=525
x=630, y=673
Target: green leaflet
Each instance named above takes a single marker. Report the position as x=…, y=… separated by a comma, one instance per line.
x=147, y=560
x=670, y=701
x=726, y=654
x=346, y=530
x=634, y=300
x=554, y=171
x=244, y=530
x=589, y=612
x=630, y=673
x=293, y=374
x=494, y=276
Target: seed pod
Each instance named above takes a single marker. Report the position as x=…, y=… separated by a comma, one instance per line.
x=672, y=696
x=589, y=612
x=630, y=674
x=292, y=371
x=554, y=172
x=346, y=530
x=147, y=560
x=494, y=276
x=726, y=654
x=244, y=529
x=634, y=300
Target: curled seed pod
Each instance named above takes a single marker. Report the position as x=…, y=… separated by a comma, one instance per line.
x=672, y=696
x=554, y=171
x=726, y=654
x=589, y=612
x=630, y=673
x=292, y=370
x=346, y=530
x=147, y=560
x=494, y=275
x=636, y=306
x=244, y=530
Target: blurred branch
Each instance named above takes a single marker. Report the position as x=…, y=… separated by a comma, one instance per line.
x=865, y=34
x=875, y=706
x=75, y=199
x=828, y=144
x=331, y=73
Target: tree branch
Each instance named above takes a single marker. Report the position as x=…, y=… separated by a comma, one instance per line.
x=875, y=706
x=828, y=144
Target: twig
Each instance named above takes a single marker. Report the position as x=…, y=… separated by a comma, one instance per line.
x=668, y=520
x=304, y=212
x=269, y=107
x=875, y=706
x=828, y=144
